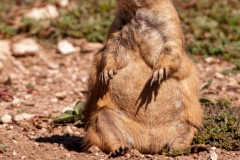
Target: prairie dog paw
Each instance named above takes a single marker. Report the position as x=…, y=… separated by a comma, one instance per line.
x=159, y=75
x=107, y=74
x=118, y=152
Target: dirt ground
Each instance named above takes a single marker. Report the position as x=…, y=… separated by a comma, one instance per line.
x=47, y=82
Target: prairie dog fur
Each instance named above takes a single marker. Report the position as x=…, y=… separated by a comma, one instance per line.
x=143, y=89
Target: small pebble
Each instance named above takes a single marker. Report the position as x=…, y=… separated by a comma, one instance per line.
x=47, y=12
x=46, y=113
x=53, y=66
x=36, y=144
x=219, y=75
x=69, y=130
x=32, y=137
x=27, y=116
x=74, y=128
x=61, y=95
x=223, y=88
x=209, y=60
x=14, y=141
x=54, y=100
x=18, y=118
x=63, y=3
x=148, y=156
x=10, y=128
x=14, y=153
x=49, y=80
x=28, y=97
x=65, y=47
x=212, y=154
x=53, y=73
x=128, y=155
x=6, y=119
x=42, y=126
x=25, y=47
x=16, y=102
x=68, y=155
x=3, y=125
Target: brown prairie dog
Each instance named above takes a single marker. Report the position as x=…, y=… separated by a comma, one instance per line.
x=143, y=89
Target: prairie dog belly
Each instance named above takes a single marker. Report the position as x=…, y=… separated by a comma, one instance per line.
x=138, y=100
x=129, y=83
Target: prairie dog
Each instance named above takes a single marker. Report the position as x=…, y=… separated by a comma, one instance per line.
x=143, y=89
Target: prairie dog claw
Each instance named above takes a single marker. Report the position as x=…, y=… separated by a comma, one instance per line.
x=107, y=74
x=159, y=75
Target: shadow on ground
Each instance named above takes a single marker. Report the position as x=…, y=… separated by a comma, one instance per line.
x=71, y=143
